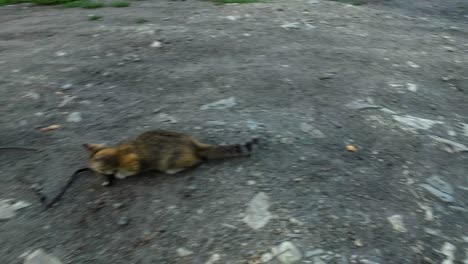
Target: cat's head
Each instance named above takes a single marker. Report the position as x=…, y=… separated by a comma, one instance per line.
x=102, y=159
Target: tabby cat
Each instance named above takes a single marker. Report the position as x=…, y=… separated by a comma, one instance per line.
x=158, y=150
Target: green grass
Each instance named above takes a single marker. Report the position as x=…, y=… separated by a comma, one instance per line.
x=119, y=4
x=235, y=1
x=352, y=2
x=94, y=17
x=83, y=4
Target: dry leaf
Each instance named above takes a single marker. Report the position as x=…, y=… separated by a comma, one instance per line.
x=50, y=128
x=351, y=148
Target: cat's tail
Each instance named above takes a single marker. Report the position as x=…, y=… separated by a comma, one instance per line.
x=212, y=152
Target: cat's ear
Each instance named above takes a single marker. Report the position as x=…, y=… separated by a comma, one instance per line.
x=93, y=148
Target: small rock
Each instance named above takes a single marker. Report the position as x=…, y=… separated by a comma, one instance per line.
x=9, y=207
x=123, y=221
x=257, y=214
x=163, y=117
x=251, y=182
x=287, y=253
x=445, y=197
x=221, y=104
x=448, y=250
x=293, y=25
x=361, y=105
x=50, y=128
x=66, y=99
x=413, y=123
x=117, y=205
x=309, y=129
x=294, y=221
x=452, y=147
x=438, y=183
x=412, y=64
x=213, y=259
x=66, y=86
x=40, y=257
x=183, y=252
x=60, y=53
x=232, y=18
x=412, y=87
x=74, y=117
x=32, y=95
x=397, y=223
x=267, y=257
x=155, y=44
x=450, y=49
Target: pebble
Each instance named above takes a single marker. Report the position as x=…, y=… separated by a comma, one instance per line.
x=251, y=182
x=60, y=53
x=412, y=87
x=411, y=123
x=183, y=252
x=397, y=223
x=361, y=105
x=257, y=214
x=9, y=207
x=39, y=256
x=267, y=257
x=412, y=64
x=287, y=253
x=452, y=146
x=123, y=221
x=32, y=95
x=221, y=104
x=66, y=99
x=66, y=86
x=163, y=117
x=309, y=129
x=74, y=117
x=293, y=25
x=213, y=259
x=155, y=44
x=445, y=197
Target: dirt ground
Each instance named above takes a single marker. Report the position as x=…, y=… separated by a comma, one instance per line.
x=307, y=76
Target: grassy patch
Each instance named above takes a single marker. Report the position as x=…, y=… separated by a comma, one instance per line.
x=83, y=4
x=119, y=4
x=235, y=1
x=352, y=2
x=94, y=17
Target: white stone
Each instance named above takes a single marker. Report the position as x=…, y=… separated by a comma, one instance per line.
x=452, y=147
x=287, y=253
x=313, y=132
x=397, y=223
x=221, y=104
x=413, y=123
x=449, y=251
x=213, y=259
x=183, y=252
x=60, y=53
x=412, y=64
x=40, y=257
x=257, y=214
x=156, y=44
x=9, y=207
x=412, y=87
x=74, y=117
x=267, y=257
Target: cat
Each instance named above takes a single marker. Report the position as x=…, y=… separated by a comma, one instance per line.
x=157, y=150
